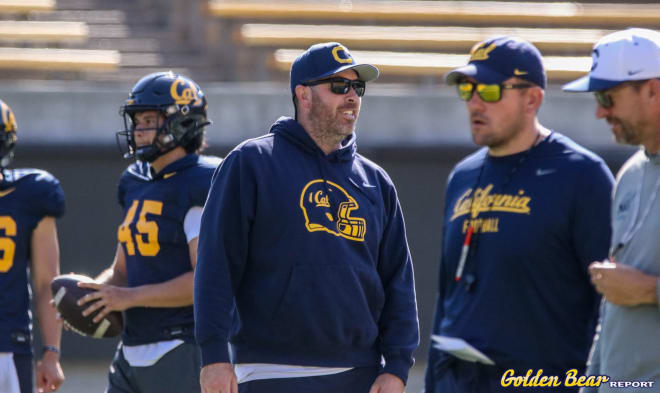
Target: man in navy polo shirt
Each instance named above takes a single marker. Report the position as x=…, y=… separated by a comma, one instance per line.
x=524, y=216
x=303, y=263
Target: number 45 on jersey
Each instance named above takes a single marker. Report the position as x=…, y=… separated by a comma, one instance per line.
x=147, y=231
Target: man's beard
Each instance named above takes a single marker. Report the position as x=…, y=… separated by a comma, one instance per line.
x=627, y=134
x=504, y=135
x=328, y=123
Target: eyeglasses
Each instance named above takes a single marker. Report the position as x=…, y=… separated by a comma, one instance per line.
x=487, y=92
x=604, y=98
x=341, y=85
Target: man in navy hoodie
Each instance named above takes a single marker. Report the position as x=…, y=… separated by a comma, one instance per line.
x=303, y=263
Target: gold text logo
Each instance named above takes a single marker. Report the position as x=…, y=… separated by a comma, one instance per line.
x=538, y=379
x=480, y=52
x=188, y=94
x=482, y=201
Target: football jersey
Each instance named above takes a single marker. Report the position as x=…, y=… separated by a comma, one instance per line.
x=26, y=197
x=154, y=242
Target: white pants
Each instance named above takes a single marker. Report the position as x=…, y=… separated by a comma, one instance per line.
x=8, y=375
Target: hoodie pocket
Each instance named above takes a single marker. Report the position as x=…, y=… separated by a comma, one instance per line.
x=333, y=306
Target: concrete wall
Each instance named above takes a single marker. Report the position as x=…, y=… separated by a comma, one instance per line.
x=82, y=113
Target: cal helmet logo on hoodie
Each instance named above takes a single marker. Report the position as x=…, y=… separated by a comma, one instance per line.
x=328, y=207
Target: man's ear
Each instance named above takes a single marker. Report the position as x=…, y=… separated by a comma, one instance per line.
x=654, y=90
x=534, y=99
x=304, y=95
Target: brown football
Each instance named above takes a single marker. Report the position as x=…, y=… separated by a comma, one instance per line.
x=66, y=293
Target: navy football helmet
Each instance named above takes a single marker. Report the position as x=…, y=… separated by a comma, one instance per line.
x=7, y=134
x=183, y=105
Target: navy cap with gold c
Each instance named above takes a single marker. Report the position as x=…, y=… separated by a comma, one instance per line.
x=323, y=60
x=500, y=58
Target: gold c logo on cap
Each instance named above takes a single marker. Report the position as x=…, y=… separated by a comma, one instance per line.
x=480, y=53
x=335, y=53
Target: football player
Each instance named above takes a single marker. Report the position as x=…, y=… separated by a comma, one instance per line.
x=30, y=200
x=151, y=277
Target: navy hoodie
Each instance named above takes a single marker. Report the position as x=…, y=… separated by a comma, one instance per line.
x=303, y=259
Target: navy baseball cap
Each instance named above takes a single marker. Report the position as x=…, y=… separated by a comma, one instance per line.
x=323, y=60
x=500, y=58
x=626, y=55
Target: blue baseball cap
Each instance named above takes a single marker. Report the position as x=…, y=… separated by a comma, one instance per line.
x=323, y=60
x=626, y=55
x=500, y=58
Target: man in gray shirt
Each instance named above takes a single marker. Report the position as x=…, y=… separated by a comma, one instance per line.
x=624, y=79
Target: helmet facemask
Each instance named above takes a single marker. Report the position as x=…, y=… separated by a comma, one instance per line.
x=7, y=144
x=8, y=135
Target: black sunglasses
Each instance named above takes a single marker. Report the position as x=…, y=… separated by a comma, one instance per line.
x=604, y=98
x=341, y=85
x=487, y=92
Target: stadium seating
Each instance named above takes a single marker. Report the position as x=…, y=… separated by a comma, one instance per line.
x=418, y=40
x=434, y=64
x=439, y=38
x=245, y=40
x=38, y=48
x=471, y=12
x=59, y=59
x=50, y=32
x=23, y=6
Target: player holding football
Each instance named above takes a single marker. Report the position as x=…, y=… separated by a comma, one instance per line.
x=151, y=278
x=30, y=200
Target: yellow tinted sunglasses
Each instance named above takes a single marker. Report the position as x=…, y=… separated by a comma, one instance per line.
x=487, y=92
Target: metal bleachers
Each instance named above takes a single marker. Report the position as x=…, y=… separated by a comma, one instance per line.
x=23, y=6
x=418, y=39
x=50, y=32
x=471, y=12
x=31, y=47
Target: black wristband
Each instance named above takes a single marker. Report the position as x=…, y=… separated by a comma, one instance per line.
x=51, y=348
